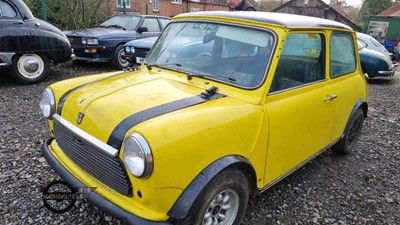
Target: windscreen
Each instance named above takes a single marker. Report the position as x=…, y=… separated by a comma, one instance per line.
x=230, y=54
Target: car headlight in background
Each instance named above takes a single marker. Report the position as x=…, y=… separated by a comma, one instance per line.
x=137, y=156
x=90, y=41
x=129, y=49
x=47, y=103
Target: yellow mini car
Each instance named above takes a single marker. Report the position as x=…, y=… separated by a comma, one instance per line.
x=225, y=105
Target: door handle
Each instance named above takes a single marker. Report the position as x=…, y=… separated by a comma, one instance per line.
x=330, y=97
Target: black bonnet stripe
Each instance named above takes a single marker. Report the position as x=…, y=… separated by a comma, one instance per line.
x=117, y=136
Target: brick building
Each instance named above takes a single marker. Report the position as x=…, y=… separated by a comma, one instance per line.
x=164, y=7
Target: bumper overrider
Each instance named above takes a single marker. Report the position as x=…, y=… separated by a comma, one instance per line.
x=391, y=72
x=99, y=201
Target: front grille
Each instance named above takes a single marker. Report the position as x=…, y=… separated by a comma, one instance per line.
x=74, y=40
x=101, y=165
x=141, y=52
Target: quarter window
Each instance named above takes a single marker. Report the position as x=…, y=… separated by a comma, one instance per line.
x=301, y=61
x=343, y=55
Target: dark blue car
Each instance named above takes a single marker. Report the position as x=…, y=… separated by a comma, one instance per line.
x=105, y=42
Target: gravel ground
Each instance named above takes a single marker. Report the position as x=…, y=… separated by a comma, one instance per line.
x=361, y=188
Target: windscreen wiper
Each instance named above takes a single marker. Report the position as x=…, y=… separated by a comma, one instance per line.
x=191, y=75
x=150, y=66
x=117, y=26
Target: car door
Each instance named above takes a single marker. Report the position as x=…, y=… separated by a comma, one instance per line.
x=12, y=27
x=298, y=105
x=344, y=77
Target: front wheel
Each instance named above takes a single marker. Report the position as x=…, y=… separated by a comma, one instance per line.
x=222, y=202
x=30, y=68
x=351, y=135
x=117, y=61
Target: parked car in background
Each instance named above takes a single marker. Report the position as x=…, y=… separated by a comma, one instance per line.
x=371, y=43
x=29, y=45
x=105, y=42
x=229, y=104
x=136, y=51
x=374, y=63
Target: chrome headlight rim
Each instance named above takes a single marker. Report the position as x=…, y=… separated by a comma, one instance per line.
x=48, y=99
x=145, y=150
x=127, y=49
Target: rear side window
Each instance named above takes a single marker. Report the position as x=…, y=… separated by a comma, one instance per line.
x=301, y=61
x=343, y=55
x=6, y=10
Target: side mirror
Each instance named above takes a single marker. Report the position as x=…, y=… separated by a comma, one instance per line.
x=142, y=29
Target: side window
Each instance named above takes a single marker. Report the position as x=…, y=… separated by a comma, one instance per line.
x=151, y=24
x=343, y=55
x=301, y=61
x=6, y=10
x=164, y=22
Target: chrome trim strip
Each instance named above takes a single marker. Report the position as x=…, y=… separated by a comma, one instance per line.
x=82, y=134
x=276, y=180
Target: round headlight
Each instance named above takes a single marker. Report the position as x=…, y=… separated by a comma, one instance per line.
x=47, y=103
x=127, y=49
x=133, y=49
x=137, y=156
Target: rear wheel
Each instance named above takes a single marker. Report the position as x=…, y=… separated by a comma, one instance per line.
x=351, y=135
x=30, y=68
x=117, y=61
x=222, y=202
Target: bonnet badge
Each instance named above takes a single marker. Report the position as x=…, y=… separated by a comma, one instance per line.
x=80, y=117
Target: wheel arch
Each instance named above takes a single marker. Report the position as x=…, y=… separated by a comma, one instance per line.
x=360, y=104
x=182, y=206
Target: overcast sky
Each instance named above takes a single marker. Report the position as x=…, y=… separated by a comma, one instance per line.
x=349, y=2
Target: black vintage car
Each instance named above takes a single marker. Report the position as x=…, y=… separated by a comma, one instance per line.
x=28, y=45
x=105, y=42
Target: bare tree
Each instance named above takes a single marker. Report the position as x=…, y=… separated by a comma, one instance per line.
x=71, y=14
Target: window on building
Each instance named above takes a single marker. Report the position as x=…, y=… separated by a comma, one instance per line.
x=301, y=62
x=156, y=5
x=194, y=10
x=176, y=1
x=343, y=55
x=120, y=3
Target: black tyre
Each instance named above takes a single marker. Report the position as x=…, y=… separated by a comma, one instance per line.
x=222, y=202
x=351, y=135
x=30, y=68
x=117, y=61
